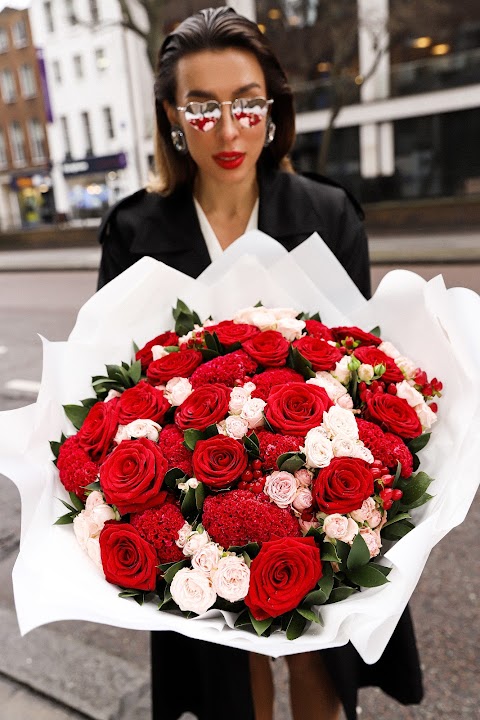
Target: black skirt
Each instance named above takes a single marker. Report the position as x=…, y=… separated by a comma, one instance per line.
x=216, y=673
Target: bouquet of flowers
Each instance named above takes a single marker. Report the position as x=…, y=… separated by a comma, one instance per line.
x=190, y=506
x=253, y=465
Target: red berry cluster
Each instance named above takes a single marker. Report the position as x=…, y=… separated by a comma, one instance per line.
x=252, y=478
x=383, y=482
x=366, y=392
x=429, y=389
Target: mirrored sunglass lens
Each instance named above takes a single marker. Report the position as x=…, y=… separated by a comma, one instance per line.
x=203, y=116
x=250, y=111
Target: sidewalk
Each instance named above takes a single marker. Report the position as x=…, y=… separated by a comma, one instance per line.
x=462, y=247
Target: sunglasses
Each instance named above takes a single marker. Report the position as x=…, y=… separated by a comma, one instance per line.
x=204, y=116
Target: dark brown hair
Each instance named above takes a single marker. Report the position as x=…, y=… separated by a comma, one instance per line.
x=217, y=29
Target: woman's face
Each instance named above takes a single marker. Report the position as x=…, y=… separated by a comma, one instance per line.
x=228, y=153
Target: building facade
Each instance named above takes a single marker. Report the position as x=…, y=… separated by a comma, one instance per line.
x=100, y=89
x=26, y=195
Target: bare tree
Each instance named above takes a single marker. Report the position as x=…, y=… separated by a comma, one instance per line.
x=153, y=33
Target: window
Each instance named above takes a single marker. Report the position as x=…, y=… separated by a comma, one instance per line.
x=17, y=142
x=66, y=137
x=78, y=66
x=71, y=17
x=9, y=89
x=94, y=14
x=4, y=44
x=47, y=9
x=57, y=71
x=107, y=117
x=101, y=60
x=20, y=35
x=3, y=150
x=37, y=140
x=87, y=131
x=27, y=81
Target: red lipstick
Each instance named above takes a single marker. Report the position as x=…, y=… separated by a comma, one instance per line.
x=229, y=160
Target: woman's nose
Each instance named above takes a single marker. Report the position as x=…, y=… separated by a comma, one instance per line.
x=228, y=127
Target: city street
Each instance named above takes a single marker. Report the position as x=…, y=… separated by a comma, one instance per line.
x=57, y=661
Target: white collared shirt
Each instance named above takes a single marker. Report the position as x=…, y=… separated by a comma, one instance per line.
x=213, y=246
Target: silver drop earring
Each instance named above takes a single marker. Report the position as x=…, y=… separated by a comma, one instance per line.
x=270, y=134
x=178, y=139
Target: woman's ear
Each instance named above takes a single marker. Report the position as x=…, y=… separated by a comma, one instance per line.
x=171, y=112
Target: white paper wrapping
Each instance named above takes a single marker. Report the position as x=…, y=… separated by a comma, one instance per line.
x=53, y=577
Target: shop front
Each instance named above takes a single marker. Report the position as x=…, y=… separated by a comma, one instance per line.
x=94, y=183
x=35, y=197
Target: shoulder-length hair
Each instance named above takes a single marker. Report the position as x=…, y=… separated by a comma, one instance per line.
x=217, y=29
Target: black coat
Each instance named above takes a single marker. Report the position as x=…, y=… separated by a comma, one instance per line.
x=291, y=208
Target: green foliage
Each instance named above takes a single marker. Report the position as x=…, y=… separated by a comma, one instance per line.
x=185, y=319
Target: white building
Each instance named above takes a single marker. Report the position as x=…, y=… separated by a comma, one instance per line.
x=99, y=88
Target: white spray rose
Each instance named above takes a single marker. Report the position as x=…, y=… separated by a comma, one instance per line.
x=231, y=578
x=158, y=351
x=408, y=393
x=238, y=398
x=331, y=385
x=252, y=412
x=426, y=416
x=143, y=428
x=389, y=349
x=207, y=558
x=192, y=591
x=341, y=371
x=177, y=390
x=183, y=535
x=235, y=427
x=373, y=541
x=281, y=487
x=338, y=421
x=365, y=372
x=290, y=328
x=261, y=317
x=318, y=448
x=339, y=527
x=195, y=541
x=407, y=366
x=111, y=395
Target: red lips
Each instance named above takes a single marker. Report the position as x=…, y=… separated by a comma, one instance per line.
x=229, y=160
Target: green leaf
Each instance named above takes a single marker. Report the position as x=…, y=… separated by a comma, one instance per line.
x=367, y=576
x=359, y=554
x=76, y=414
x=191, y=437
x=55, y=448
x=135, y=348
x=200, y=496
x=309, y=614
x=135, y=372
x=260, y=625
x=68, y=506
x=211, y=431
x=169, y=574
x=375, y=331
x=397, y=518
x=291, y=463
x=252, y=445
x=384, y=570
x=77, y=503
x=172, y=476
x=421, y=501
x=89, y=402
x=416, y=462
x=341, y=593
x=343, y=550
x=329, y=553
x=189, y=507
x=64, y=520
x=418, y=443
x=243, y=619
x=296, y=626
x=415, y=488
x=397, y=530
x=300, y=363
x=316, y=316
x=93, y=486
x=316, y=597
x=251, y=549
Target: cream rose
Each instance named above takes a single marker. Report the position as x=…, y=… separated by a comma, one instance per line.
x=373, y=541
x=111, y=395
x=238, y=398
x=93, y=551
x=183, y=535
x=177, y=390
x=282, y=312
x=426, y=415
x=207, y=558
x=158, y=351
x=281, y=488
x=303, y=499
x=364, y=513
x=331, y=385
x=338, y=421
x=345, y=402
x=408, y=393
x=290, y=328
x=365, y=372
x=231, y=578
x=195, y=542
x=81, y=528
x=344, y=446
x=389, y=349
x=234, y=426
x=341, y=371
x=407, y=366
x=318, y=448
x=192, y=591
x=143, y=428
x=261, y=317
x=252, y=412
x=339, y=527
x=303, y=477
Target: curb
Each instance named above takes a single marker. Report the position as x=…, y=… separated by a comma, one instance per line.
x=93, y=682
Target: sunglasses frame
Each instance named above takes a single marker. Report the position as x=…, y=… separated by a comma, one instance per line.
x=184, y=108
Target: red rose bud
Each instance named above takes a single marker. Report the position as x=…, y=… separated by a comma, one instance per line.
x=127, y=559
x=98, y=430
x=433, y=407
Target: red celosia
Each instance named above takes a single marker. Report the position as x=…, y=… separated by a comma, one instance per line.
x=75, y=467
x=177, y=455
x=160, y=526
x=387, y=447
x=273, y=445
x=238, y=517
x=268, y=379
x=231, y=370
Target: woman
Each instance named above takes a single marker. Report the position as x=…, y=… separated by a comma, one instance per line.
x=225, y=125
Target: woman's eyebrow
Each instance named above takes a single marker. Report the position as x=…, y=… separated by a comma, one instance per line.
x=212, y=96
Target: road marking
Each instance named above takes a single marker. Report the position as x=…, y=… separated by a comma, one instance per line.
x=28, y=386
x=3, y=349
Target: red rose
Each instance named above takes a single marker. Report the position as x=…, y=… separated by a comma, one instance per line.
x=205, y=406
x=268, y=348
x=283, y=572
x=175, y=364
x=127, y=559
x=322, y=355
x=98, y=430
x=318, y=329
x=219, y=461
x=362, y=337
x=343, y=485
x=132, y=475
x=166, y=339
x=229, y=332
x=394, y=414
x=142, y=402
x=373, y=356
x=296, y=408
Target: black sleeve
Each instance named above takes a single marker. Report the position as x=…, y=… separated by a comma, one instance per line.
x=116, y=256
x=353, y=248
